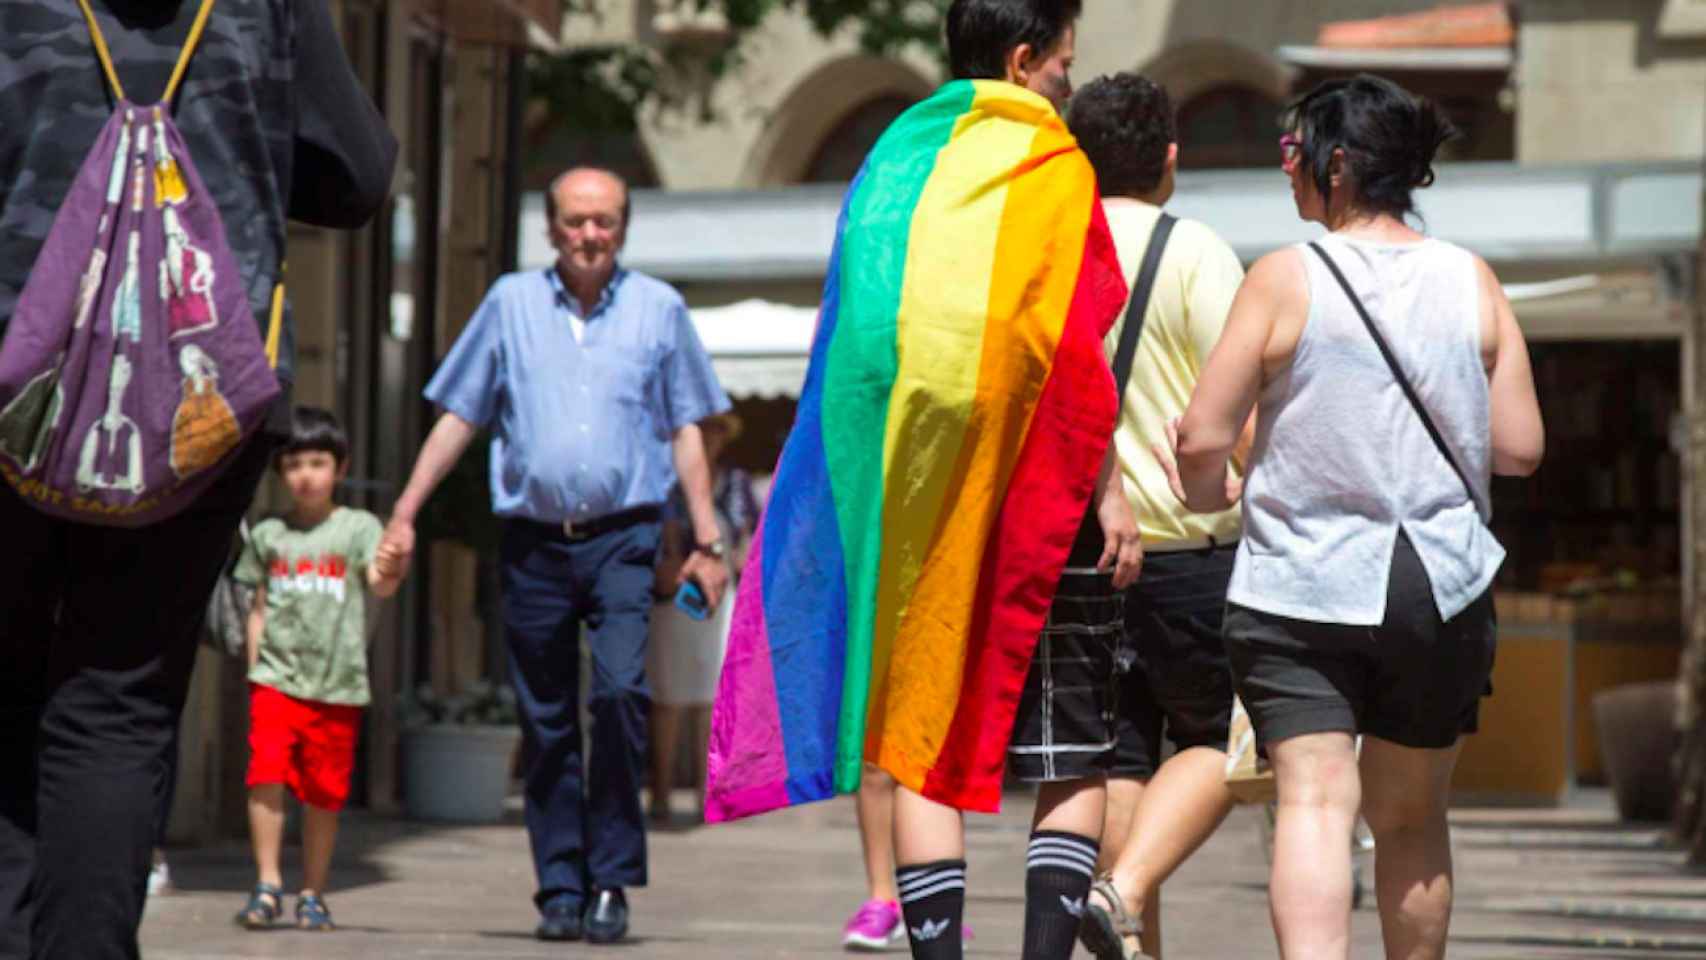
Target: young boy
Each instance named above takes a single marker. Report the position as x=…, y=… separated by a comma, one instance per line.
x=311, y=570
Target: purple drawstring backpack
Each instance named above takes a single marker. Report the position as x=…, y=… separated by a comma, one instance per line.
x=132, y=369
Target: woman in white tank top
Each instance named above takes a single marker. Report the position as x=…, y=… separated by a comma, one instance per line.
x=1361, y=599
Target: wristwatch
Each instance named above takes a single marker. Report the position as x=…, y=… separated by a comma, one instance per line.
x=713, y=549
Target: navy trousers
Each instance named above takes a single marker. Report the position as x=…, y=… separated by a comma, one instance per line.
x=98, y=633
x=583, y=815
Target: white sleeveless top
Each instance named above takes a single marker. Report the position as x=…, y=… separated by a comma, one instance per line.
x=1341, y=460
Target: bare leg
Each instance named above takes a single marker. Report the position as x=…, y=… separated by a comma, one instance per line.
x=876, y=833
x=266, y=830
x=1179, y=809
x=1405, y=794
x=1071, y=806
x=699, y=730
x=665, y=736
x=319, y=836
x=925, y=831
x=1310, y=889
x=1123, y=796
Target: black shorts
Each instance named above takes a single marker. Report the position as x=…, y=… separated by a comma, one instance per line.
x=1064, y=729
x=1177, y=678
x=1415, y=680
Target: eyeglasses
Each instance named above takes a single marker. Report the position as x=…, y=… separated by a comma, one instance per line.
x=1291, y=147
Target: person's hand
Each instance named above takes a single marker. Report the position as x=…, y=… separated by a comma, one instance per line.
x=1168, y=458
x=1122, y=547
x=711, y=573
x=388, y=562
x=396, y=549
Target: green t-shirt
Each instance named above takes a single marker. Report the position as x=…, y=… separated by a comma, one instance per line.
x=314, y=645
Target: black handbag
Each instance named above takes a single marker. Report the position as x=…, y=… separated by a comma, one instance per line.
x=227, y=625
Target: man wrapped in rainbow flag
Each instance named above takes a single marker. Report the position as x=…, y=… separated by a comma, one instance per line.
x=952, y=431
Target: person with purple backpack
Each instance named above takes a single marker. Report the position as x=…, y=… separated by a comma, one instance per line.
x=152, y=153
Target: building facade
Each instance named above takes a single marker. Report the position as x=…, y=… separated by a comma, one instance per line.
x=1578, y=177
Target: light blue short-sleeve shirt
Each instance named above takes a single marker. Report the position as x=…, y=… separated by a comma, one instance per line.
x=581, y=427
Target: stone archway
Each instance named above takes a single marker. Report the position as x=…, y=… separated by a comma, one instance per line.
x=1227, y=99
x=817, y=107
x=1194, y=68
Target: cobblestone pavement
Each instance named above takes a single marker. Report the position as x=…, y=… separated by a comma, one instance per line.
x=1555, y=884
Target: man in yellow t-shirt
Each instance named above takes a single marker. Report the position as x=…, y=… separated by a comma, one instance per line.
x=1178, y=679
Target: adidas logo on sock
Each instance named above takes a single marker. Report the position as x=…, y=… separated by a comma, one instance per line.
x=931, y=929
x=1074, y=907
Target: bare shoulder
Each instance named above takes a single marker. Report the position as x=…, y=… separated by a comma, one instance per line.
x=1492, y=306
x=1276, y=294
x=1283, y=266
x=1279, y=280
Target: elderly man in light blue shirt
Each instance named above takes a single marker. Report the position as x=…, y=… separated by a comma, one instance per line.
x=593, y=383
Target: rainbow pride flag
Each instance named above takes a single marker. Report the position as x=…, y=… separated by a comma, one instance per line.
x=953, y=419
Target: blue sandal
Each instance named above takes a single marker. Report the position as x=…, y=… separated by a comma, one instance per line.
x=265, y=904
x=312, y=913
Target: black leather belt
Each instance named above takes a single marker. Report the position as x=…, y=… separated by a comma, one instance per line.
x=576, y=531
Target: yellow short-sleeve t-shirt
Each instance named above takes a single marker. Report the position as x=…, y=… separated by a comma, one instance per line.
x=1198, y=276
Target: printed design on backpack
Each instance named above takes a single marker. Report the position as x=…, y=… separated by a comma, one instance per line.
x=127, y=300
x=186, y=282
x=112, y=449
x=112, y=454
x=204, y=429
x=27, y=423
x=89, y=284
x=169, y=187
x=115, y=180
x=186, y=271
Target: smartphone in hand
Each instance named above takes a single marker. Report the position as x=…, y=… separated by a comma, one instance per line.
x=690, y=599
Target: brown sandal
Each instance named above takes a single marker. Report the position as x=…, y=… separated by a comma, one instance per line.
x=1103, y=931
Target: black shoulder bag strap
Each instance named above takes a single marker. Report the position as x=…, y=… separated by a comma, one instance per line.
x=1140, y=294
x=1090, y=529
x=1398, y=374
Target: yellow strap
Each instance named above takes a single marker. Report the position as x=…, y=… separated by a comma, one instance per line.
x=276, y=322
x=101, y=49
x=188, y=51
x=183, y=56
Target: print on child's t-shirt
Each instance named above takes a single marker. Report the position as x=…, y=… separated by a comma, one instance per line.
x=326, y=574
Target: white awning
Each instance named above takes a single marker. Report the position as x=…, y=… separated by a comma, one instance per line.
x=1400, y=58
x=758, y=348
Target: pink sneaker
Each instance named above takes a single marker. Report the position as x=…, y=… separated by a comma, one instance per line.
x=876, y=926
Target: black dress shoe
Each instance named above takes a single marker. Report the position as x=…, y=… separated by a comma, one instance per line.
x=560, y=921
x=607, y=917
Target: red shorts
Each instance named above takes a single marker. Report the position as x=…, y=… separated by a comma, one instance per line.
x=307, y=746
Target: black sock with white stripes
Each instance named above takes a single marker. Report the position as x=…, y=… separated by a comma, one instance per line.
x=932, y=901
x=1057, y=879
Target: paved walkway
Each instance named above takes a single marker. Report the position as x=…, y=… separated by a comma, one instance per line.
x=1560, y=884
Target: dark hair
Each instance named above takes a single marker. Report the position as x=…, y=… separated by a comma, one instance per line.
x=314, y=429
x=982, y=32
x=1389, y=136
x=1124, y=124
x=557, y=181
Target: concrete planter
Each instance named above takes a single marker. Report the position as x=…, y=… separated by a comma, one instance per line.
x=1638, y=739
x=457, y=774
